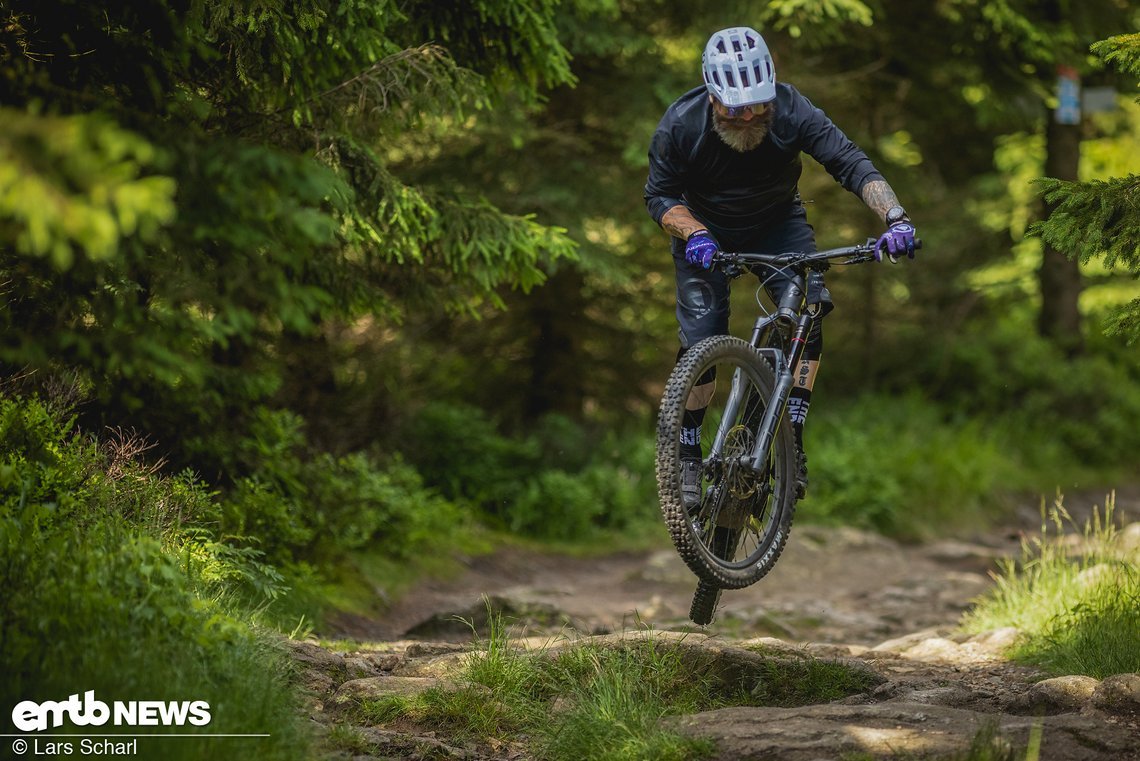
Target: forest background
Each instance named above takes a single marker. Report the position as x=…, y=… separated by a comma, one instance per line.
x=300, y=297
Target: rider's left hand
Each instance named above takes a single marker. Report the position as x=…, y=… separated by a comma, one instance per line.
x=897, y=240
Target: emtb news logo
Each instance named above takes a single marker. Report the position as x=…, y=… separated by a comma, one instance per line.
x=30, y=716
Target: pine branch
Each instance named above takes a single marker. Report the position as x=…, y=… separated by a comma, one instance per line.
x=1100, y=218
x=1122, y=50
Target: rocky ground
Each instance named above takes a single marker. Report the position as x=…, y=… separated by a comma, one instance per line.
x=836, y=593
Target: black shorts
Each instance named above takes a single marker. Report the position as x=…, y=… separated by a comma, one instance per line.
x=702, y=295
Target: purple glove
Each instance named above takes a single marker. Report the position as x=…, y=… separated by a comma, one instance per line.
x=897, y=240
x=700, y=249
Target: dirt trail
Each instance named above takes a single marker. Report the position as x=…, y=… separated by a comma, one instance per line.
x=834, y=593
x=831, y=585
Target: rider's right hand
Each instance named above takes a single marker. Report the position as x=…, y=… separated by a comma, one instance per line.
x=700, y=249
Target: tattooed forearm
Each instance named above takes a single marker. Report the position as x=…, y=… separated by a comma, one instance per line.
x=680, y=222
x=879, y=197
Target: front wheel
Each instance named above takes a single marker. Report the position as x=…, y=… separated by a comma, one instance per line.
x=733, y=533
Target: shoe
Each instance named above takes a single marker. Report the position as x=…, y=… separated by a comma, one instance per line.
x=691, y=484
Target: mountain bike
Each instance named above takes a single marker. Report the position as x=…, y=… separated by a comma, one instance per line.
x=736, y=533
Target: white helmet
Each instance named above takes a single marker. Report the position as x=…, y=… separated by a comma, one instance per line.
x=738, y=67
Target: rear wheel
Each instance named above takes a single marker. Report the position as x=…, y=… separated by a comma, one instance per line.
x=705, y=600
x=734, y=536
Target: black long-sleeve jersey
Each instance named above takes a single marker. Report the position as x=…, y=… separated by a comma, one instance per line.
x=735, y=193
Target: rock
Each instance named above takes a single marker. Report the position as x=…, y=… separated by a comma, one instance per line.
x=1119, y=693
x=318, y=670
x=1058, y=695
x=427, y=649
x=951, y=551
x=373, y=688
x=936, y=650
x=953, y=695
x=995, y=641
x=663, y=567
x=906, y=642
x=382, y=661
x=311, y=655
x=314, y=680
x=894, y=730
x=1095, y=575
x=826, y=650
x=1129, y=538
x=475, y=620
x=359, y=668
x=438, y=667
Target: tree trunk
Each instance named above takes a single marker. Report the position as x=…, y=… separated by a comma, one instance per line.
x=1060, y=276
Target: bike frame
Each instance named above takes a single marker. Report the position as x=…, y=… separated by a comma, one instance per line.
x=791, y=317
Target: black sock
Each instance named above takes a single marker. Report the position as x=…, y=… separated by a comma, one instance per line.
x=691, y=433
x=798, y=402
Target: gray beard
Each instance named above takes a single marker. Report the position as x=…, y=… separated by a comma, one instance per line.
x=742, y=138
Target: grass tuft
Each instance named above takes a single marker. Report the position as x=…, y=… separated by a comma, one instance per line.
x=1074, y=596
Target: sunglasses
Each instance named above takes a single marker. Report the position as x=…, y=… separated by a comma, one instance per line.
x=732, y=112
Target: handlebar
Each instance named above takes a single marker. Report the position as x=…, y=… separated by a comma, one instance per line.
x=817, y=260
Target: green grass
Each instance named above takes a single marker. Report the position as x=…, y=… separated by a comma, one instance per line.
x=803, y=680
x=595, y=701
x=348, y=738
x=1074, y=596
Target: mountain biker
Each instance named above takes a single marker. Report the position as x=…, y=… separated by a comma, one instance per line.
x=724, y=163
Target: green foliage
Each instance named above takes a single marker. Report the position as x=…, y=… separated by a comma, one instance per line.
x=78, y=183
x=896, y=465
x=560, y=481
x=307, y=506
x=99, y=596
x=174, y=277
x=1076, y=602
x=818, y=18
x=1075, y=407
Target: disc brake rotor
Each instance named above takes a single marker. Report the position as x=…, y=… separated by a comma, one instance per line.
x=741, y=480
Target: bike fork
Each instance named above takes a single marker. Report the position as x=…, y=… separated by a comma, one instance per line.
x=785, y=378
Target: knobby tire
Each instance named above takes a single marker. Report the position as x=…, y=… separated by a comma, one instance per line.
x=705, y=600
x=705, y=552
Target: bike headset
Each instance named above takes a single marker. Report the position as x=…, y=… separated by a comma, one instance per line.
x=738, y=69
